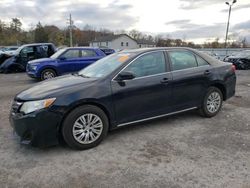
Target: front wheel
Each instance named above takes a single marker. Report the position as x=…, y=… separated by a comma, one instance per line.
x=48, y=74
x=85, y=127
x=212, y=102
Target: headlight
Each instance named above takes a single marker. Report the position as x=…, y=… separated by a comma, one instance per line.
x=32, y=106
x=33, y=67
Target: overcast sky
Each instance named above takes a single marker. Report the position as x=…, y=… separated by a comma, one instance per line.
x=196, y=20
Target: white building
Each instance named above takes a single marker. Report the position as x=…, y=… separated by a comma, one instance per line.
x=142, y=43
x=120, y=42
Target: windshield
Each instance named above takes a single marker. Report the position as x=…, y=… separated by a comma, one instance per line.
x=58, y=53
x=19, y=50
x=105, y=65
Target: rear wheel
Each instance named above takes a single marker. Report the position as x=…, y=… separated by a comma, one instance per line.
x=48, y=74
x=212, y=102
x=85, y=127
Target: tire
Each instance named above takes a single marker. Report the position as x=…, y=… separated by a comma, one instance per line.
x=212, y=102
x=86, y=135
x=48, y=74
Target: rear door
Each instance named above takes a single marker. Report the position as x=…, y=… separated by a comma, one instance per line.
x=191, y=76
x=148, y=94
x=68, y=60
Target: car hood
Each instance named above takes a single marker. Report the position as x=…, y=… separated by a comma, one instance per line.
x=237, y=57
x=55, y=87
x=42, y=60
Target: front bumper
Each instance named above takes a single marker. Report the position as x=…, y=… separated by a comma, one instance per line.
x=32, y=74
x=39, y=128
x=230, y=86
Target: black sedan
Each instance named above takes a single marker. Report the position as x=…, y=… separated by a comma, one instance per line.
x=241, y=60
x=123, y=88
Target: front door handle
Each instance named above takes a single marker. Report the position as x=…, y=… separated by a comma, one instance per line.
x=207, y=72
x=164, y=81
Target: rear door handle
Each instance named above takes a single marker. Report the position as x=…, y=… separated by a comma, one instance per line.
x=164, y=81
x=207, y=72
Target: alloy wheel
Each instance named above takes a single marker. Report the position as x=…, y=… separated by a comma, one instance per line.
x=48, y=75
x=213, y=102
x=87, y=128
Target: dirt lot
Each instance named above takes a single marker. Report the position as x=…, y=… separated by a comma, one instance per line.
x=185, y=150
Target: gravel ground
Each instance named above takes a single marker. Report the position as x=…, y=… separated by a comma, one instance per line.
x=184, y=150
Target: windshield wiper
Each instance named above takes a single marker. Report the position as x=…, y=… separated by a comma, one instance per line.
x=84, y=76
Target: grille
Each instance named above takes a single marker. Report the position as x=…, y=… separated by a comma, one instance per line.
x=233, y=60
x=16, y=107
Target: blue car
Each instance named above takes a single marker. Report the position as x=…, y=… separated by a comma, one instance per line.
x=64, y=61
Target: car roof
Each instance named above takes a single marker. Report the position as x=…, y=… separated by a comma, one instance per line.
x=142, y=50
x=82, y=47
x=208, y=58
x=36, y=44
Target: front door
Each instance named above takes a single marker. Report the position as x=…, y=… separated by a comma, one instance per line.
x=68, y=60
x=26, y=54
x=148, y=94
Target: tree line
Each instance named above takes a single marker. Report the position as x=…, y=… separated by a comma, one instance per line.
x=12, y=33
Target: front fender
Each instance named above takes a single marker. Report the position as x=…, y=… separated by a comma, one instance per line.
x=106, y=107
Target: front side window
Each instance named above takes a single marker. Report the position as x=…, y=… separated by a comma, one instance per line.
x=71, y=54
x=126, y=43
x=88, y=53
x=58, y=54
x=148, y=64
x=182, y=60
x=121, y=43
x=26, y=51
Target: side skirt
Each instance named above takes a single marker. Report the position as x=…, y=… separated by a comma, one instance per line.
x=155, y=117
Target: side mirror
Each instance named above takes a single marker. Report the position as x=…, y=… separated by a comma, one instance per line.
x=62, y=58
x=125, y=76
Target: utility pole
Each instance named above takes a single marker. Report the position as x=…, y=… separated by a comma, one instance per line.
x=70, y=30
x=229, y=14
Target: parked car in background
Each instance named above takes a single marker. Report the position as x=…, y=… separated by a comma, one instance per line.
x=213, y=54
x=108, y=51
x=123, y=88
x=25, y=53
x=64, y=61
x=240, y=60
x=6, y=54
x=10, y=50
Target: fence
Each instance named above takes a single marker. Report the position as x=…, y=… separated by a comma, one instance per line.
x=221, y=53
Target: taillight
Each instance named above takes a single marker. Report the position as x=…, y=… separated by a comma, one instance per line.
x=233, y=68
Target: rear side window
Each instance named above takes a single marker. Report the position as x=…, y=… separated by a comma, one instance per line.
x=148, y=64
x=200, y=61
x=88, y=53
x=182, y=60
